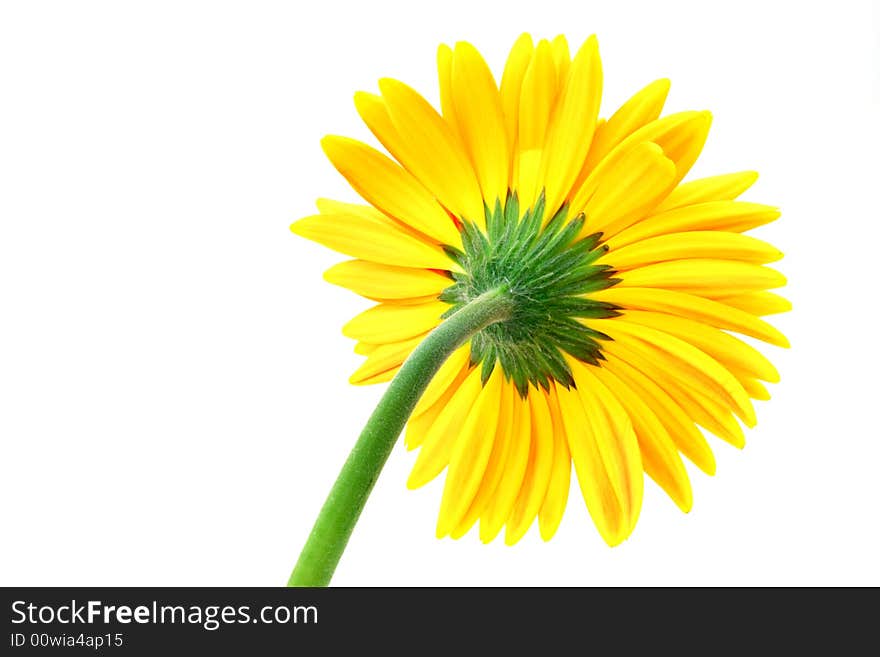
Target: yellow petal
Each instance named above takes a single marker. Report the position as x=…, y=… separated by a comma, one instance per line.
x=495, y=467
x=723, y=347
x=758, y=303
x=481, y=120
x=691, y=363
x=684, y=433
x=725, y=187
x=411, y=301
x=596, y=488
x=701, y=275
x=659, y=454
x=437, y=444
x=644, y=107
x=390, y=322
x=444, y=75
x=629, y=190
x=537, y=96
x=697, y=308
x=425, y=415
x=537, y=99
x=385, y=359
x=432, y=152
x=693, y=244
x=511, y=86
x=572, y=125
x=365, y=348
x=684, y=146
x=376, y=281
x=389, y=187
x=556, y=497
x=371, y=214
x=470, y=455
x=701, y=405
x=677, y=134
x=374, y=113
x=457, y=363
x=498, y=510
x=754, y=387
x=370, y=239
x=615, y=438
x=382, y=377
x=731, y=216
x=710, y=412
x=526, y=171
x=419, y=424
x=561, y=58
x=537, y=477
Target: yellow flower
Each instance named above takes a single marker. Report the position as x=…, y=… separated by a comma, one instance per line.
x=625, y=285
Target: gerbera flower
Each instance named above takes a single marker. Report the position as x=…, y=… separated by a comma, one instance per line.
x=615, y=287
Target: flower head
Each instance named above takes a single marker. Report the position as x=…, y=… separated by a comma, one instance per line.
x=624, y=286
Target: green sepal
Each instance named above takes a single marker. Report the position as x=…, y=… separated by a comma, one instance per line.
x=549, y=269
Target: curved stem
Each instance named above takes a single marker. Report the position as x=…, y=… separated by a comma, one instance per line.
x=346, y=500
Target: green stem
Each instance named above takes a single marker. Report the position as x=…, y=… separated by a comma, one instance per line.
x=346, y=500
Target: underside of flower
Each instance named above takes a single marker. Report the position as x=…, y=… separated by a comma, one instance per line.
x=623, y=286
x=547, y=267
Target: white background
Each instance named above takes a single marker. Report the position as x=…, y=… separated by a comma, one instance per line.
x=174, y=401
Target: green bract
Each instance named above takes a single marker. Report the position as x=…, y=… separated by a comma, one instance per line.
x=548, y=271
